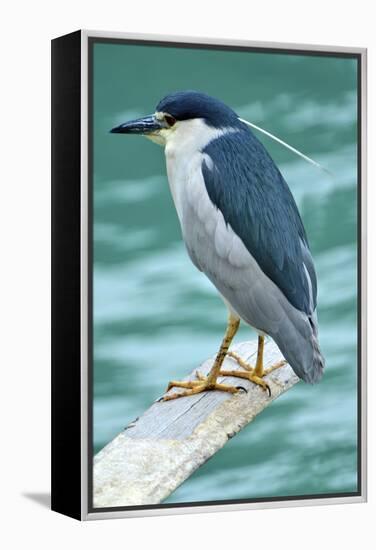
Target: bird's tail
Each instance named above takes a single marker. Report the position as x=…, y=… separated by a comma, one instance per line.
x=300, y=347
x=315, y=372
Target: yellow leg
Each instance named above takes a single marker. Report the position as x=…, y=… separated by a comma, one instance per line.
x=232, y=328
x=253, y=374
x=209, y=382
x=259, y=368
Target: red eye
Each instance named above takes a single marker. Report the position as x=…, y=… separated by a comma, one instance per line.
x=170, y=120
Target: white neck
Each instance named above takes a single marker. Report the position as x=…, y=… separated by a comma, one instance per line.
x=183, y=149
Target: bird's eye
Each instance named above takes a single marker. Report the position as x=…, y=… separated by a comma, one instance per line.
x=170, y=120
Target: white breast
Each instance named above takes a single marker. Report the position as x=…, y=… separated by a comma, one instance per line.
x=200, y=220
x=184, y=158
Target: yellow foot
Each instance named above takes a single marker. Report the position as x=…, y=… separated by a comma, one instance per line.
x=198, y=386
x=274, y=367
x=240, y=361
x=249, y=367
x=252, y=373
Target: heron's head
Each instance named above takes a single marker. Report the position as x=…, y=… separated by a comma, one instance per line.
x=178, y=110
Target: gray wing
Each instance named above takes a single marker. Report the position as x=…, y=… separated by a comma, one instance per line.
x=220, y=253
x=244, y=183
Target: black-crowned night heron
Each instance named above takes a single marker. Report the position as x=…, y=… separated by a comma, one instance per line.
x=242, y=228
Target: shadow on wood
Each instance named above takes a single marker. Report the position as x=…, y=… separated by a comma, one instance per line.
x=147, y=461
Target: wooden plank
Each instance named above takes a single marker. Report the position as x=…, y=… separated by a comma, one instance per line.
x=146, y=462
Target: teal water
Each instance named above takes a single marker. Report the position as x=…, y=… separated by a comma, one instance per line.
x=156, y=317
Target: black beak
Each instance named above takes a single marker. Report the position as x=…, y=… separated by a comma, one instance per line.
x=143, y=126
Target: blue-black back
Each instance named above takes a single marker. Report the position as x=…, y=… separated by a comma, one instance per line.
x=246, y=186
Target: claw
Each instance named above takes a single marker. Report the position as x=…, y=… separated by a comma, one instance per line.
x=242, y=388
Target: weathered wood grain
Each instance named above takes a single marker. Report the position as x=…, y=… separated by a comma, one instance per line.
x=146, y=462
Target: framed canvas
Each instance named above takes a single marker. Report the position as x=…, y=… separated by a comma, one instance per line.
x=210, y=284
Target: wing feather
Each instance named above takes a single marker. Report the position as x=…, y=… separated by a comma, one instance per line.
x=246, y=186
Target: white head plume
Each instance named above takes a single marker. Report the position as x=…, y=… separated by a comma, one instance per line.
x=278, y=140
